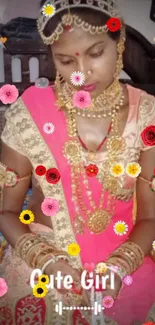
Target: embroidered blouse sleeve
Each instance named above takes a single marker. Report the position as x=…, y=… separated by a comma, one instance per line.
x=10, y=136
x=146, y=122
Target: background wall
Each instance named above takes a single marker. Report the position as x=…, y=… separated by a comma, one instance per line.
x=135, y=12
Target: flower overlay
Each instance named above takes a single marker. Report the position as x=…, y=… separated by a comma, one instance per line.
x=148, y=135
x=120, y=228
x=77, y=78
x=89, y=267
x=48, y=128
x=101, y=268
x=8, y=94
x=128, y=279
x=133, y=169
x=117, y=170
x=3, y=287
x=107, y=302
x=40, y=290
x=82, y=99
x=114, y=24
x=73, y=249
x=153, y=245
x=91, y=170
x=48, y=10
x=26, y=217
x=50, y=207
x=52, y=176
x=40, y=170
x=43, y=279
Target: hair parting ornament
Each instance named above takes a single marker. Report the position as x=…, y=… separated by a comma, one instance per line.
x=68, y=20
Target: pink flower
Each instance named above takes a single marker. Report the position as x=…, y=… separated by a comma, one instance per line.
x=3, y=287
x=107, y=302
x=81, y=99
x=50, y=207
x=128, y=279
x=89, y=267
x=8, y=94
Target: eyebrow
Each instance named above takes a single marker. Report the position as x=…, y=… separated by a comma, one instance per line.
x=89, y=48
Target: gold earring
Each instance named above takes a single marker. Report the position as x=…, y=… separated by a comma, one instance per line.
x=120, y=50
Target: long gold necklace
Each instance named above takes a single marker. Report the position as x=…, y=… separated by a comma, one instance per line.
x=96, y=218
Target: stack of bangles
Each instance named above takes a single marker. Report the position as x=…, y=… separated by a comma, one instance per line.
x=125, y=260
x=36, y=253
x=39, y=254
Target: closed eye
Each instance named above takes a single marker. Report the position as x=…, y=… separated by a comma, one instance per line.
x=95, y=55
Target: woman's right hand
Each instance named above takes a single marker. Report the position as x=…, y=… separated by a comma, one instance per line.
x=66, y=269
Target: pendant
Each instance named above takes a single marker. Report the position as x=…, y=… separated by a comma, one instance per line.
x=115, y=145
x=91, y=156
x=98, y=221
x=72, y=151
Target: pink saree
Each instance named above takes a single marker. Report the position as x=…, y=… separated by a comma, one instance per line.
x=34, y=109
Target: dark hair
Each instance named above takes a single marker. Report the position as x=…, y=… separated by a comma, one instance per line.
x=93, y=17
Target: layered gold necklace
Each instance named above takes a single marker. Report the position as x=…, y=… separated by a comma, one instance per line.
x=95, y=218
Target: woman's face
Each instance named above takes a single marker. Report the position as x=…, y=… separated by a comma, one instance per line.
x=81, y=51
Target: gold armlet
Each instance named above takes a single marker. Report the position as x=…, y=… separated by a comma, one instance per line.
x=9, y=178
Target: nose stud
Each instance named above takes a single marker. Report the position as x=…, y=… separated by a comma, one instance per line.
x=89, y=72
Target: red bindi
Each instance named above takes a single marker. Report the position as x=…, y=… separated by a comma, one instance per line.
x=77, y=53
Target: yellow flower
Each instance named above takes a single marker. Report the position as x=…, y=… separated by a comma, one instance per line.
x=153, y=244
x=26, y=217
x=133, y=169
x=43, y=279
x=73, y=249
x=120, y=228
x=40, y=290
x=101, y=268
x=117, y=170
x=48, y=10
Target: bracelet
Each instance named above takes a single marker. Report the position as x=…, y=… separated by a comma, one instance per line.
x=117, y=270
x=53, y=260
x=35, y=252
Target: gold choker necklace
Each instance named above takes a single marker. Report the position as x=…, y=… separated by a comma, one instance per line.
x=106, y=104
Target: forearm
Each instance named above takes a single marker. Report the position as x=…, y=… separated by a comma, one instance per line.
x=143, y=234
x=11, y=227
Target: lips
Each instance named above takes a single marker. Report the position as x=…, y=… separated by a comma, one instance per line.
x=89, y=87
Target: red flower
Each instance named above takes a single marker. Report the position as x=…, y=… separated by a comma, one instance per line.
x=114, y=24
x=149, y=323
x=91, y=170
x=40, y=170
x=148, y=135
x=52, y=176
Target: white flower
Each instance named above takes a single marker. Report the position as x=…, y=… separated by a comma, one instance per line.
x=48, y=128
x=153, y=244
x=120, y=228
x=77, y=78
x=48, y=10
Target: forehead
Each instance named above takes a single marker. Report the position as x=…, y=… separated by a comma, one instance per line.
x=77, y=39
